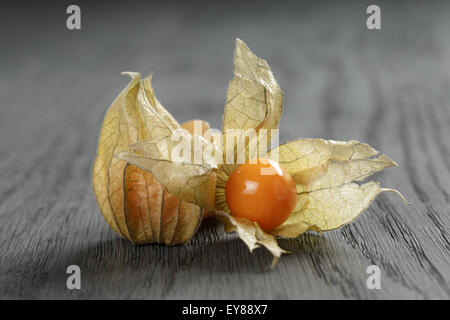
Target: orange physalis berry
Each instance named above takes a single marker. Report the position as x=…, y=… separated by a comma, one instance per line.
x=262, y=192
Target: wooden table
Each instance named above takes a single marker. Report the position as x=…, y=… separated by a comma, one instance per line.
x=389, y=88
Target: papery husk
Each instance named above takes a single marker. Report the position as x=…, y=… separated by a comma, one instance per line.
x=131, y=200
x=329, y=175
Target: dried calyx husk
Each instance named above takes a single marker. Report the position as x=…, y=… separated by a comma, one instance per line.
x=148, y=198
x=132, y=200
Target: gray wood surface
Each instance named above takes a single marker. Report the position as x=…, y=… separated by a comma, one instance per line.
x=389, y=88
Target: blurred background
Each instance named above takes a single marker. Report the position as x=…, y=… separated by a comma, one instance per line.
x=389, y=88
x=321, y=52
x=323, y=55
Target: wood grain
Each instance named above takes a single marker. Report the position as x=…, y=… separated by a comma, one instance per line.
x=389, y=88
